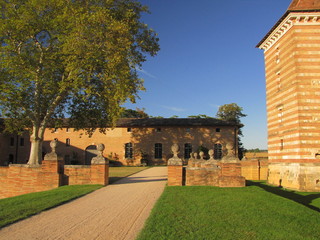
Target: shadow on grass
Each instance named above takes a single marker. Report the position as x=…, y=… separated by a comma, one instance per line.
x=292, y=195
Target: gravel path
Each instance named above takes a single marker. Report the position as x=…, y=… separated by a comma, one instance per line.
x=115, y=212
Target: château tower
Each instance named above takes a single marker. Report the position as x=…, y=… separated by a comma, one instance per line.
x=292, y=65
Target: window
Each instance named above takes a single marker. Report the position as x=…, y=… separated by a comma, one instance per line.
x=218, y=129
x=128, y=150
x=11, y=141
x=67, y=129
x=281, y=144
x=68, y=142
x=217, y=151
x=158, y=129
x=188, y=130
x=55, y=130
x=158, y=150
x=22, y=142
x=187, y=150
x=129, y=129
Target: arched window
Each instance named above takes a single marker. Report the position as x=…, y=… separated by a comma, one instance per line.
x=217, y=151
x=128, y=150
x=68, y=142
x=187, y=150
x=158, y=150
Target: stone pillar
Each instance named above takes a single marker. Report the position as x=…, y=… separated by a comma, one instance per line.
x=52, y=168
x=175, y=170
x=100, y=168
x=231, y=170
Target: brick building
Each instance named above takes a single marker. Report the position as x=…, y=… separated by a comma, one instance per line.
x=292, y=65
x=130, y=141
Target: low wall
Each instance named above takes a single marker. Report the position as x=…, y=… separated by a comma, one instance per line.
x=86, y=174
x=203, y=174
x=254, y=169
x=17, y=179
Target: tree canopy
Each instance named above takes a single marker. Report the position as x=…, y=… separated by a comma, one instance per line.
x=233, y=113
x=138, y=113
x=69, y=58
x=230, y=112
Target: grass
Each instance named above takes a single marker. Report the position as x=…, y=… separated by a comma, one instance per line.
x=258, y=211
x=20, y=207
x=116, y=173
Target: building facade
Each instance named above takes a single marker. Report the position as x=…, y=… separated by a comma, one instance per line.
x=133, y=141
x=292, y=65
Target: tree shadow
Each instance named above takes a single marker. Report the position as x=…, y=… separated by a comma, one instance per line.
x=291, y=195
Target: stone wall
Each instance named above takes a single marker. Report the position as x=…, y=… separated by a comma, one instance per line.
x=298, y=176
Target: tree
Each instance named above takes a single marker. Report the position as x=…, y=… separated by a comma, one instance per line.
x=69, y=58
x=138, y=113
x=199, y=116
x=232, y=113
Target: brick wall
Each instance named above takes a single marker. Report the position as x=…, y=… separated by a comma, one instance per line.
x=17, y=179
x=221, y=175
x=175, y=175
x=86, y=174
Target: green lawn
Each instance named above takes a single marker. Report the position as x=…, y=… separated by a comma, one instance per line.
x=258, y=211
x=116, y=173
x=20, y=207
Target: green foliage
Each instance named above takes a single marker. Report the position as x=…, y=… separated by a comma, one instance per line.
x=231, y=113
x=70, y=58
x=229, y=213
x=256, y=150
x=138, y=113
x=20, y=207
x=199, y=116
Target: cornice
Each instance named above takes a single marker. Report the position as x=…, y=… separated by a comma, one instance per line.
x=293, y=19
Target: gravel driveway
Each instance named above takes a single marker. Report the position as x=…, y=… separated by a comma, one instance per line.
x=115, y=212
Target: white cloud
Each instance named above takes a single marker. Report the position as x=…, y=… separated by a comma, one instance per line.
x=175, y=109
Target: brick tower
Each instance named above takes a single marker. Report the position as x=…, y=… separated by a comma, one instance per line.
x=292, y=63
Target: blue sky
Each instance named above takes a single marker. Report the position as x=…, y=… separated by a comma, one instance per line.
x=208, y=58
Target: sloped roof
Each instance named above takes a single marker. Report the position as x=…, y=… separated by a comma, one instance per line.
x=295, y=6
x=172, y=122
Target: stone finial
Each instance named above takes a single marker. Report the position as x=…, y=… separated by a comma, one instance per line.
x=211, y=161
x=201, y=155
x=53, y=154
x=230, y=157
x=175, y=160
x=211, y=154
x=99, y=159
x=195, y=155
x=175, y=150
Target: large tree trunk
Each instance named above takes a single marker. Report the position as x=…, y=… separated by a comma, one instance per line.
x=35, y=157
